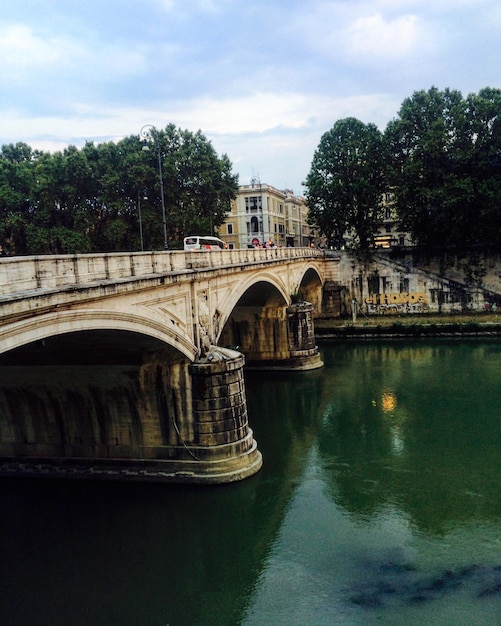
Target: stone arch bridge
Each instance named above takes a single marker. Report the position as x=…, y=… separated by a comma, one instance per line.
x=130, y=366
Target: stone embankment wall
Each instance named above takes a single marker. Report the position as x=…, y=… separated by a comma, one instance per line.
x=407, y=283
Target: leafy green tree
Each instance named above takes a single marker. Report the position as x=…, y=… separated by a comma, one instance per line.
x=485, y=163
x=442, y=155
x=54, y=227
x=198, y=185
x=16, y=183
x=86, y=200
x=345, y=184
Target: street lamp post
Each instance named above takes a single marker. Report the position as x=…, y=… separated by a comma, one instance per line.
x=139, y=194
x=148, y=132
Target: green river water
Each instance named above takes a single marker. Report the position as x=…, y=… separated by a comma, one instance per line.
x=379, y=502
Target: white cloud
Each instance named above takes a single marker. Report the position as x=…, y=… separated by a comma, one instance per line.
x=185, y=7
x=167, y=5
x=20, y=48
x=27, y=55
x=262, y=80
x=368, y=33
x=373, y=38
x=260, y=113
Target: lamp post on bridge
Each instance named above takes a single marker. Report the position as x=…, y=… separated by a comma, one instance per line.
x=147, y=133
x=139, y=196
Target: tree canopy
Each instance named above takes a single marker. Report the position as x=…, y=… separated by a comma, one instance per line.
x=444, y=167
x=441, y=160
x=91, y=199
x=345, y=183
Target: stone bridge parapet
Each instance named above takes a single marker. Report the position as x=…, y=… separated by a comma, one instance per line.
x=22, y=274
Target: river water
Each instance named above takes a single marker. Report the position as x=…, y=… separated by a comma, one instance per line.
x=379, y=502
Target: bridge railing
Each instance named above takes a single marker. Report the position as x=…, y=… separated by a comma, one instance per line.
x=20, y=274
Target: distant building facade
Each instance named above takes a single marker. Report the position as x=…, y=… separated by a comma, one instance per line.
x=262, y=215
x=389, y=233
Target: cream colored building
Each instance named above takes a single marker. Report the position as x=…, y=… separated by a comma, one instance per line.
x=261, y=214
x=389, y=234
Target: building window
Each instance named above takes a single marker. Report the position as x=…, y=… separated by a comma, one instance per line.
x=388, y=228
x=387, y=213
x=229, y=228
x=253, y=203
x=254, y=225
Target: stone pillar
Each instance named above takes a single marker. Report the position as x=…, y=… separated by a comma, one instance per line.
x=223, y=443
x=332, y=305
x=158, y=421
x=303, y=351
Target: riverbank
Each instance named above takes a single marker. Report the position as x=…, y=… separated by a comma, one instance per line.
x=485, y=324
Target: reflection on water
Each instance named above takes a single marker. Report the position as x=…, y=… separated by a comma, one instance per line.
x=378, y=503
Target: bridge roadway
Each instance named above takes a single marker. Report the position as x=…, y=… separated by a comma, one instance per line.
x=111, y=366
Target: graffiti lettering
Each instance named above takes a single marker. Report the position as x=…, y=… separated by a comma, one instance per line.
x=414, y=302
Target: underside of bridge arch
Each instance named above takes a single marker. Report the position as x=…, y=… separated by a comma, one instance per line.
x=310, y=290
x=118, y=404
x=91, y=347
x=257, y=326
x=271, y=332
x=90, y=394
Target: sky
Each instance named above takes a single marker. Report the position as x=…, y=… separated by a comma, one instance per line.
x=262, y=79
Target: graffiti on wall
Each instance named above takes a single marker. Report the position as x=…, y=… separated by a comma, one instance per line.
x=413, y=302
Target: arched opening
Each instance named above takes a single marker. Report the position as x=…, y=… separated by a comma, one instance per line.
x=257, y=326
x=92, y=394
x=310, y=290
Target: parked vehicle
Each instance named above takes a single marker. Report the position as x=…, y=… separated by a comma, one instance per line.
x=195, y=242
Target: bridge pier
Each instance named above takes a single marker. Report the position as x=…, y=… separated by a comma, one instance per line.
x=222, y=440
x=274, y=337
x=302, y=349
x=158, y=421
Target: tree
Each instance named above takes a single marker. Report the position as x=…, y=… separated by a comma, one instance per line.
x=198, y=185
x=345, y=184
x=16, y=184
x=87, y=200
x=485, y=123
x=443, y=154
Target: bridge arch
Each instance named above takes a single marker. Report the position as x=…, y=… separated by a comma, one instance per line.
x=310, y=286
x=257, y=321
x=54, y=324
x=259, y=289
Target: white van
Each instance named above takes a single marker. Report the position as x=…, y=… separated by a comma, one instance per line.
x=203, y=243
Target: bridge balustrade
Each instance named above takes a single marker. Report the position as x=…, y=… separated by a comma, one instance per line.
x=19, y=274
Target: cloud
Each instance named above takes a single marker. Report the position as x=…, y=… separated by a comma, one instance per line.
x=21, y=50
x=184, y=7
x=262, y=80
x=373, y=38
x=26, y=54
x=366, y=34
x=263, y=112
